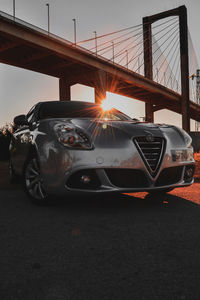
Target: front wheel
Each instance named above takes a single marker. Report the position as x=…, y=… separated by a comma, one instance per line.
x=33, y=182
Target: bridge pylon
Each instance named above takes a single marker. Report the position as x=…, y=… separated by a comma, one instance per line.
x=181, y=12
x=148, y=66
x=100, y=85
x=64, y=90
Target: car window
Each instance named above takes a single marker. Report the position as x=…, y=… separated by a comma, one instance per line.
x=30, y=115
x=79, y=110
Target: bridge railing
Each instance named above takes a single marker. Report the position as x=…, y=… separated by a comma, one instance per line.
x=57, y=38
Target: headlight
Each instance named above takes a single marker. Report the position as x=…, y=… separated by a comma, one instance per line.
x=187, y=138
x=182, y=155
x=72, y=137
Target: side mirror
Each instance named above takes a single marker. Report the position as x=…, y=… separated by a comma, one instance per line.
x=20, y=120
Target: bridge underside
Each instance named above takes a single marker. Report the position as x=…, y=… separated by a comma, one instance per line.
x=30, y=49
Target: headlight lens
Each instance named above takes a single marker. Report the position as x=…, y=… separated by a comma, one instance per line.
x=187, y=138
x=72, y=137
x=182, y=155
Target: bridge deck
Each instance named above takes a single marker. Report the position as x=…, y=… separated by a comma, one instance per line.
x=22, y=45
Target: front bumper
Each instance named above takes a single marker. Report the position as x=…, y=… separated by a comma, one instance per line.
x=110, y=170
x=122, y=180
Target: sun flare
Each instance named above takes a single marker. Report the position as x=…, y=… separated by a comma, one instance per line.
x=106, y=105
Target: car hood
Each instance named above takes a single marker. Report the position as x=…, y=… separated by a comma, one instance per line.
x=129, y=128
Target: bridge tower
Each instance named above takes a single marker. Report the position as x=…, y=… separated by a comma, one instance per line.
x=181, y=12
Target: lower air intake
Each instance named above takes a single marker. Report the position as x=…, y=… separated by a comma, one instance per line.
x=127, y=178
x=169, y=176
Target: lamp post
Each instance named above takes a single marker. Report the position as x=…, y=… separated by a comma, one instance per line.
x=171, y=81
x=164, y=79
x=74, y=20
x=157, y=73
x=127, y=59
x=113, y=51
x=14, y=9
x=95, y=36
x=138, y=65
x=48, y=17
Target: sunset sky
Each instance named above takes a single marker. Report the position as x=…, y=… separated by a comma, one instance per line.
x=21, y=89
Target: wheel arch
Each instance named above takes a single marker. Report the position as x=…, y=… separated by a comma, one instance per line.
x=33, y=152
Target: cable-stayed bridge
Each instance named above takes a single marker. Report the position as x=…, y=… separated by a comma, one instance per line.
x=154, y=61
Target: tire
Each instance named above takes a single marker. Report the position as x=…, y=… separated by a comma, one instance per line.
x=14, y=178
x=33, y=182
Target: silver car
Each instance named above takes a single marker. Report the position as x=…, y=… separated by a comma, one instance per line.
x=72, y=146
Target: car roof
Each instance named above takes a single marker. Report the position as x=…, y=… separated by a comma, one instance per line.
x=69, y=101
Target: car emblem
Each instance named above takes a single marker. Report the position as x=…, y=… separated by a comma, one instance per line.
x=150, y=137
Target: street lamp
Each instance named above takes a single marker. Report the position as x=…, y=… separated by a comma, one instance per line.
x=14, y=9
x=138, y=65
x=74, y=20
x=157, y=73
x=127, y=59
x=113, y=50
x=47, y=4
x=177, y=86
x=95, y=36
x=171, y=82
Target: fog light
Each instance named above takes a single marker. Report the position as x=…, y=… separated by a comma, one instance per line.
x=85, y=179
x=189, y=172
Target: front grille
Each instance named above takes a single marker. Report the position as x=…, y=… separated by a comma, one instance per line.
x=127, y=178
x=169, y=176
x=151, y=151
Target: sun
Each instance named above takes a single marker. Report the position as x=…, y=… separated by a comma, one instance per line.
x=106, y=105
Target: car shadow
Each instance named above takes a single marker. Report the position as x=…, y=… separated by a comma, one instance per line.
x=120, y=202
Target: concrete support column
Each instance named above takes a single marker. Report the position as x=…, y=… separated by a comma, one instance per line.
x=64, y=90
x=149, y=112
x=148, y=69
x=100, y=86
x=185, y=105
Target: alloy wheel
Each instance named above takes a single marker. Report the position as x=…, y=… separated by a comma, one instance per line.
x=33, y=180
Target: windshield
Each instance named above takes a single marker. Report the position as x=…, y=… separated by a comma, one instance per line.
x=76, y=109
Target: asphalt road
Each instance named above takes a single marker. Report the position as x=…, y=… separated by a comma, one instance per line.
x=119, y=247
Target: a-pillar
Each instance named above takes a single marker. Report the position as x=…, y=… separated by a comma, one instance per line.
x=64, y=90
x=148, y=70
x=100, y=86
